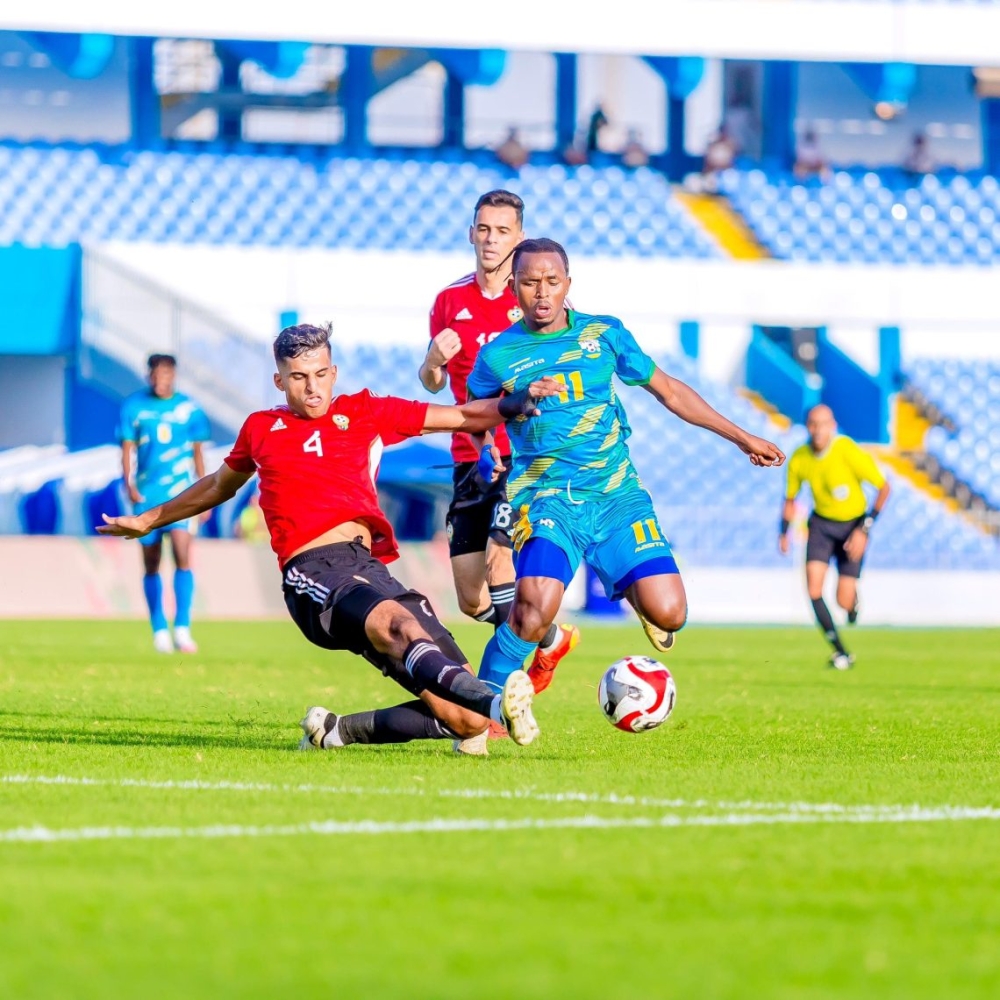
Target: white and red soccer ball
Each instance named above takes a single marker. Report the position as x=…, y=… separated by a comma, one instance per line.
x=637, y=694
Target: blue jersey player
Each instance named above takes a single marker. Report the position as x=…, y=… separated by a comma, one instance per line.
x=572, y=485
x=161, y=433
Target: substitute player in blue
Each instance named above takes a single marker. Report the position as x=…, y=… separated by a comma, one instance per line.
x=161, y=433
x=572, y=482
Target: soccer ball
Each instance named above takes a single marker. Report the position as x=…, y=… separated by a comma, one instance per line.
x=637, y=694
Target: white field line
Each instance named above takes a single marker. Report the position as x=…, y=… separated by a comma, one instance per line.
x=525, y=794
x=41, y=834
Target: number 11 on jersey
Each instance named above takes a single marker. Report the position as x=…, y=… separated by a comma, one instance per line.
x=574, y=385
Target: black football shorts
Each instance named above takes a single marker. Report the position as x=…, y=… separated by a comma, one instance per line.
x=826, y=542
x=330, y=591
x=476, y=515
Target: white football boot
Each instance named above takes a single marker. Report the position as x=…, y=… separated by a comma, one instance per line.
x=474, y=746
x=317, y=723
x=183, y=641
x=515, y=707
x=842, y=661
x=162, y=642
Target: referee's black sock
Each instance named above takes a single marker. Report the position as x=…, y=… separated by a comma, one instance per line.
x=425, y=662
x=825, y=620
x=399, y=724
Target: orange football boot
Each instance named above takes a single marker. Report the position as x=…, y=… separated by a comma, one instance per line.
x=543, y=666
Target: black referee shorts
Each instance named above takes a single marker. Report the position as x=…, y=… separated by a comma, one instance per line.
x=330, y=591
x=826, y=542
x=476, y=515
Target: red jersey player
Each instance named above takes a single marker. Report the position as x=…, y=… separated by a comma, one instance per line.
x=317, y=459
x=467, y=315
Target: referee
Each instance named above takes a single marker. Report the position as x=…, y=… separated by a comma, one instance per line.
x=834, y=467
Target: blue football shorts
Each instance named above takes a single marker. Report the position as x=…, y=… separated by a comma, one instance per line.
x=619, y=537
x=157, y=535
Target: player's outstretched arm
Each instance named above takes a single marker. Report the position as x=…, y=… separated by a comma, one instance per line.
x=680, y=399
x=480, y=415
x=208, y=492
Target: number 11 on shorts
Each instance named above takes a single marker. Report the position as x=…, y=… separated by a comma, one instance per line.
x=646, y=531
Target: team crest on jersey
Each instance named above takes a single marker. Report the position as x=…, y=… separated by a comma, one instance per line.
x=341, y=422
x=592, y=348
x=515, y=315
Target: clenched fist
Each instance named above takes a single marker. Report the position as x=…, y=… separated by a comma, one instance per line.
x=443, y=348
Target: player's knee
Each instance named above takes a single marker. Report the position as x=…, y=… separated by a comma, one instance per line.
x=669, y=613
x=528, y=620
x=469, y=605
x=400, y=630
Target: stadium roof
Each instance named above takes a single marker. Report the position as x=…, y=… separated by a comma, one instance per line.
x=938, y=32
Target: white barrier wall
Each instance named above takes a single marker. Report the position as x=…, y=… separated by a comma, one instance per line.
x=385, y=296
x=101, y=578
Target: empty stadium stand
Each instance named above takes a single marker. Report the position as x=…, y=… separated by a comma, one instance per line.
x=55, y=195
x=52, y=196
x=884, y=217
x=962, y=401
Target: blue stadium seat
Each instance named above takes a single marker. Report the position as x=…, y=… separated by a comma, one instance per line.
x=54, y=196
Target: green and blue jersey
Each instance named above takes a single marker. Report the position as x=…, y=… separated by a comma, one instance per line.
x=576, y=448
x=164, y=432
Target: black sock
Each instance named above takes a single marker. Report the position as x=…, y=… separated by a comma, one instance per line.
x=425, y=663
x=825, y=620
x=550, y=636
x=399, y=724
x=488, y=617
x=502, y=595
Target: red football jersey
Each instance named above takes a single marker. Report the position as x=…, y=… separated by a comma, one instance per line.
x=318, y=473
x=477, y=320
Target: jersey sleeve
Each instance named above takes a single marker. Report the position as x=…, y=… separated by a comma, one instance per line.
x=126, y=422
x=861, y=463
x=793, y=477
x=198, y=428
x=632, y=364
x=398, y=419
x=240, y=459
x=482, y=383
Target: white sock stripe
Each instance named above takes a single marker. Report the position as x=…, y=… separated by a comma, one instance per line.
x=419, y=650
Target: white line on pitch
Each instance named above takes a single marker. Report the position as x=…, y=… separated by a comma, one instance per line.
x=39, y=834
x=586, y=798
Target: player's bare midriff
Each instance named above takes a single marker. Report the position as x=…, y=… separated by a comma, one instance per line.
x=346, y=532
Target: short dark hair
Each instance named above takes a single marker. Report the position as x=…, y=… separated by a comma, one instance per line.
x=538, y=246
x=155, y=360
x=296, y=340
x=500, y=199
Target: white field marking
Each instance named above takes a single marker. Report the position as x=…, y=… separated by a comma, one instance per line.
x=41, y=834
x=524, y=794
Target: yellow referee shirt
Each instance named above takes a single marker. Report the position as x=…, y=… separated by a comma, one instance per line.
x=835, y=477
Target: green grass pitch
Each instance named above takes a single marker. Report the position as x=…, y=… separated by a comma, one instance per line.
x=765, y=842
